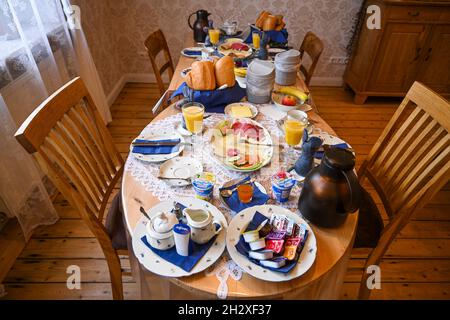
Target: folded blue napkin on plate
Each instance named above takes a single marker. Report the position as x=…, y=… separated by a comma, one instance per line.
x=215, y=100
x=157, y=150
x=259, y=198
x=243, y=248
x=193, y=53
x=196, y=252
x=319, y=154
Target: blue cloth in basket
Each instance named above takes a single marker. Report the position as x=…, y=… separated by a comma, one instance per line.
x=243, y=248
x=280, y=37
x=157, y=150
x=259, y=198
x=215, y=100
x=319, y=154
x=196, y=252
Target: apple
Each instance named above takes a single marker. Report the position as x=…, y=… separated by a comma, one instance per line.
x=288, y=100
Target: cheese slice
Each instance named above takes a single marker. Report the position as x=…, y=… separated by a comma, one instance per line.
x=241, y=112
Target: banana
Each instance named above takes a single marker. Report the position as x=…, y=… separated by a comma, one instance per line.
x=294, y=92
x=240, y=72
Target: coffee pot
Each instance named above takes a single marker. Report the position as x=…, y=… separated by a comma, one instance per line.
x=200, y=25
x=331, y=190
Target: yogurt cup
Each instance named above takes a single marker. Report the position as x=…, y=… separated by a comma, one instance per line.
x=181, y=235
x=282, y=184
x=203, y=185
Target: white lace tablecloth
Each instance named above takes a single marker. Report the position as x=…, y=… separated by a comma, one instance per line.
x=146, y=173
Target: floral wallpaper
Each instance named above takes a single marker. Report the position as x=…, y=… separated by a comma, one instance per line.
x=116, y=29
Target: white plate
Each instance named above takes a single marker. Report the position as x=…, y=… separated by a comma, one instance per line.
x=165, y=135
x=180, y=167
x=193, y=49
x=268, y=153
x=154, y=263
x=248, y=104
x=232, y=182
x=240, y=223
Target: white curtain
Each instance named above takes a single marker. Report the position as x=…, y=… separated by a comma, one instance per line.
x=37, y=56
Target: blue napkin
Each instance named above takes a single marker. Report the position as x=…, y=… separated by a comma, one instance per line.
x=214, y=100
x=259, y=198
x=319, y=154
x=196, y=252
x=157, y=150
x=193, y=53
x=280, y=37
x=243, y=248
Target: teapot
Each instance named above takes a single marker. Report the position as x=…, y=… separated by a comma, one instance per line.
x=331, y=190
x=203, y=228
x=230, y=28
x=200, y=25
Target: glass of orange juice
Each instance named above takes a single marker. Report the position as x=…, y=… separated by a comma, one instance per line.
x=293, y=132
x=245, y=192
x=214, y=36
x=193, y=113
x=256, y=40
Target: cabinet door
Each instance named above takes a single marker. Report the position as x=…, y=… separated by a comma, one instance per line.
x=398, y=57
x=435, y=69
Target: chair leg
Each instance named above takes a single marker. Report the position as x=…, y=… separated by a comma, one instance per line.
x=389, y=234
x=115, y=273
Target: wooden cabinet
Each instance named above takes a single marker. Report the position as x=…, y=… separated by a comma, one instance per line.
x=412, y=44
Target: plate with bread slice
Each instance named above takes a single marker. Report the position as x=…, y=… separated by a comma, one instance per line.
x=242, y=144
x=237, y=50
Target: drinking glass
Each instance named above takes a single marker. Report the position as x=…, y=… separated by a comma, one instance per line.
x=214, y=37
x=256, y=40
x=193, y=113
x=245, y=192
x=293, y=135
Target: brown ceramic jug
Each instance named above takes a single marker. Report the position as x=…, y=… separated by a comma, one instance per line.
x=331, y=190
x=199, y=25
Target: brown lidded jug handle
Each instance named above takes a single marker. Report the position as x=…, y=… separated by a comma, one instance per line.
x=354, y=190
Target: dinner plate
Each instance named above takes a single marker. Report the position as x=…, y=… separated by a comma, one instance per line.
x=240, y=223
x=199, y=49
x=154, y=263
x=164, y=135
x=232, y=182
x=238, y=54
x=180, y=167
x=266, y=152
x=252, y=107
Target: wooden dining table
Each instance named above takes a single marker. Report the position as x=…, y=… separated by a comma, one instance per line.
x=323, y=280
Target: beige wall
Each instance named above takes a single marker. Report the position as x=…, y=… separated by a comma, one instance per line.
x=116, y=29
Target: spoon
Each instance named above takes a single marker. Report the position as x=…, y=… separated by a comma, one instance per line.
x=144, y=213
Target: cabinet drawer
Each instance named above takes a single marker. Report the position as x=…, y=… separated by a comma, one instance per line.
x=413, y=13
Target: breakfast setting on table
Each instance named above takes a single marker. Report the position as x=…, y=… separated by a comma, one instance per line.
x=248, y=186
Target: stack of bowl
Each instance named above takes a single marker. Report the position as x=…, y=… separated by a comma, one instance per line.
x=260, y=81
x=286, y=65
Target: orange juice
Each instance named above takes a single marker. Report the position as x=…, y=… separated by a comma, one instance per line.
x=214, y=36
x=256, y=40
x=245, y=192
x=294, y=132
x=193, y=116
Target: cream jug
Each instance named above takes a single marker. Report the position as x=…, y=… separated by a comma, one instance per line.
x=203, y=228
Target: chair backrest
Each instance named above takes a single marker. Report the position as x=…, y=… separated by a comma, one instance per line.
x=410, y=162
x=74, y=148
x=155, y=43
x=313, y=46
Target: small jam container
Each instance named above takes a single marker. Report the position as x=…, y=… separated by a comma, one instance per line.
x=274, y=263
x=251, y=236
x=261, y=255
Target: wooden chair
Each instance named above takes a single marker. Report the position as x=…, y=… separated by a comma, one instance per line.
x=74, y=148
x=313, y=46
x=408, y=164
x=155, y=43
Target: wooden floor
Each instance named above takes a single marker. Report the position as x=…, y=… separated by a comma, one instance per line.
x=417, y=266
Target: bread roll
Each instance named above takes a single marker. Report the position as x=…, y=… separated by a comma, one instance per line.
x=224, y=70
x=270, y=23
x=201, y=76
x=262, y=17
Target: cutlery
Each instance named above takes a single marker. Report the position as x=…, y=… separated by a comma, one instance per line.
x=144, y=213
x=174, y=178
